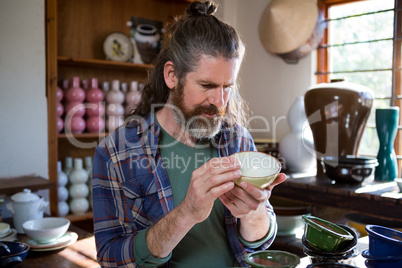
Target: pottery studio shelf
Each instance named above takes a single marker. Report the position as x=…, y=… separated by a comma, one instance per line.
x=104, y=64
x=9, y=186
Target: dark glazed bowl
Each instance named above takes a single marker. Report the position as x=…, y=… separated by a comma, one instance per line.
x=12, y=253
x=325, y=236
x=272, y=258
x=349, y=169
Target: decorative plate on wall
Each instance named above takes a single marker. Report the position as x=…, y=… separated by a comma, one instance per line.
x=118, y=47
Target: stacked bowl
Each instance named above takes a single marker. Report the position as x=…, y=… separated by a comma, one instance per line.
x=328, y=242
x=385, y=247
x=349, y=169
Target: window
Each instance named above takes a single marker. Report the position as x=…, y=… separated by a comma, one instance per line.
x=361, y=46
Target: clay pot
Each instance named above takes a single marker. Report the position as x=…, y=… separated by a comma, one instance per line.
x=337, y=113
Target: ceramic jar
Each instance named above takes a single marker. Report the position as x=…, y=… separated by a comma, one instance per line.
x=78, y=173
x=25, y=206
x=75, y=109
x=78, y=189
x=75, y=93
x=115, y=109
x=88, y=168
x=337, y=113
x=62, y=192
x=133, y=98
x=68, y=166
x=387, y=120
x=95, y=109
x=60, y=110
x=79, y=206
x=297, y=147
x=147, y=41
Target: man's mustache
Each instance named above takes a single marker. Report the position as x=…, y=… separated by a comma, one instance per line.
x=211, y=109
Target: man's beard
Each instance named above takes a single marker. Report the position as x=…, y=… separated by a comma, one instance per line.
x=193, y=121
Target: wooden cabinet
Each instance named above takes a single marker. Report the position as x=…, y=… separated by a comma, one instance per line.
x=75, y=30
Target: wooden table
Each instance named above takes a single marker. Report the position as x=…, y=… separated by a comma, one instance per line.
x=78, y=255
x=381, y=200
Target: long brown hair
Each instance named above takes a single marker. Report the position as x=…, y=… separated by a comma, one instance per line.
x=197, y=32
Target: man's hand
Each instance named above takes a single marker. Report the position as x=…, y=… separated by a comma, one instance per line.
x=208, y=182
x=211, y=180
x=247, y=202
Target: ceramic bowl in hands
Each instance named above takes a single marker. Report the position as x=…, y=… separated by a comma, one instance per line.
x=257, y=168
x=384, y=241
x=324, y=235
x=46, y=230
x=272, y=258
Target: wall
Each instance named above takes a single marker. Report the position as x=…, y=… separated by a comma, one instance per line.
x=23, y=115
x=268, y=84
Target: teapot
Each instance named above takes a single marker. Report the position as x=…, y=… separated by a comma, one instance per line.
x=25, y=206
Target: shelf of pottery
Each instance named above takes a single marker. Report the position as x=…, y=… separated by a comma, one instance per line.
x=83, y=108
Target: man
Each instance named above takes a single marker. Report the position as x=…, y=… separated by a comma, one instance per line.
x=163, y=188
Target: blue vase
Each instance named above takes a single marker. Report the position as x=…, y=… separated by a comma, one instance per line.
x=387, y=120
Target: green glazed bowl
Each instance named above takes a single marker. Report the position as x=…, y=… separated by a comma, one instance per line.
x=324, y=235
x=257, y=168
x=272, y=258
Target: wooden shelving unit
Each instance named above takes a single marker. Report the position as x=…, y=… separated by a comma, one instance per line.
x=75, y=31
x=10, y=186
x=103, y=64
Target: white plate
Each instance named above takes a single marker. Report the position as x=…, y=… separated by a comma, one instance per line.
x=10, y=236
x=35, y=246
x=64, y=239
x=117, y=47
x=4, y=229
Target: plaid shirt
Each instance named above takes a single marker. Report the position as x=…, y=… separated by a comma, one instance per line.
x=131, y=190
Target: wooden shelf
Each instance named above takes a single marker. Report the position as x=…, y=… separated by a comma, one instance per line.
x=86, y=216
x=11, y=186
x=93, y=63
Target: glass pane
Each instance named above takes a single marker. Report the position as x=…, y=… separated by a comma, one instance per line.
x=362, y=28
x=369, y=143
x=360, y=7
x=346, y=58
x=365, y=56
x=379, y=82
x=377, y=104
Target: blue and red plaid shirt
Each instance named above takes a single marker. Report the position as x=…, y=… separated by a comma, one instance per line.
x=131, y=190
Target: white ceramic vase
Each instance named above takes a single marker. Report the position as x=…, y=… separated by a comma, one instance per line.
x=79, y=206
x=297, y=147
x=79, y=190
x=62, y=178
x=88, y=168
x=63, y=208
x=78, y=174
x=62, y=193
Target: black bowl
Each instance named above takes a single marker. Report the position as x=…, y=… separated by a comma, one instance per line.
x=349, y=169
x=12, y=253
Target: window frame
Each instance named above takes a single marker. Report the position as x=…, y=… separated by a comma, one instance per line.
x=396, y=98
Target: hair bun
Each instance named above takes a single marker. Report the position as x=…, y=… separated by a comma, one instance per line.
x=197, y=8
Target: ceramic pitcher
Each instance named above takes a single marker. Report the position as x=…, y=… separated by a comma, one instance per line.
x=25, y=206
